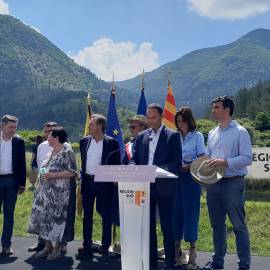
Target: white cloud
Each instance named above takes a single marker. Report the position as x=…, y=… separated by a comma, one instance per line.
x=229, y=9
x=125, y=59
x=4, y=9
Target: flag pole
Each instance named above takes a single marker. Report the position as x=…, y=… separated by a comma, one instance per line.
x=86, y=132
x=113, y=85
x=142, y=80
x=142, y=106
x=169, y=77
x=89, y=104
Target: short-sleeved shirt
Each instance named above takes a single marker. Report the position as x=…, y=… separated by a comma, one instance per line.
x=192, y=146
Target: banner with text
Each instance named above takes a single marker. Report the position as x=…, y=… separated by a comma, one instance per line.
x=260, y=167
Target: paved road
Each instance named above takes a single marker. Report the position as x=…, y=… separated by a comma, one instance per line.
x=21, y=260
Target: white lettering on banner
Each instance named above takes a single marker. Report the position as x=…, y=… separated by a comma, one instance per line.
x=260, y=167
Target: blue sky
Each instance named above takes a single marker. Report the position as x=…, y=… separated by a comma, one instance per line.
x=125, y=36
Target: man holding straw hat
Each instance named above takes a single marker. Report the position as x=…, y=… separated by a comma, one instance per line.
x=228, y=147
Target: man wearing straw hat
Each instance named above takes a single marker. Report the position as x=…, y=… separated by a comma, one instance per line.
x=228, y=146
x=137, y=124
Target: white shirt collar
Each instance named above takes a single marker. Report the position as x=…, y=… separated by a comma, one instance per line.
x=9, y=140
x=158, y=131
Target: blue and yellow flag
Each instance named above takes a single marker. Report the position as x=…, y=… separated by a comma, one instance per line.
x=113, y=127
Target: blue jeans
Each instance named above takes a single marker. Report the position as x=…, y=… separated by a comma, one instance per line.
x=8, y=196
x=187, y=208
x=226, y=197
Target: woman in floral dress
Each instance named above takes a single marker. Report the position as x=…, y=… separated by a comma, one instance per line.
x=49, y=210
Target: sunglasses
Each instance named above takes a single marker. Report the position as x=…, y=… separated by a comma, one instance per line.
x=132, y=127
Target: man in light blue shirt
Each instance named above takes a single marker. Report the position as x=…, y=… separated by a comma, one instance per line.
x=228, y=146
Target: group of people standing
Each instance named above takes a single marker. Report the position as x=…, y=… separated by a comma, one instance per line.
x=178, y=201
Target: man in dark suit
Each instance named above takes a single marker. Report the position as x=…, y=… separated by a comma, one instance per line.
x=12, y=176
x=160, y=146
x=97, y=149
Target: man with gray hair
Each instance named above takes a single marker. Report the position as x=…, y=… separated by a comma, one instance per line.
x=97, y=149
x=12, y=176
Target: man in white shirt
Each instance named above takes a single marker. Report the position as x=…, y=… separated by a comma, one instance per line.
x=97, y=149
x=12, y=176
x=44, y=147
x=160, y=146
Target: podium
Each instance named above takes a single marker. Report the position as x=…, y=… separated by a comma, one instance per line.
x=134, y=208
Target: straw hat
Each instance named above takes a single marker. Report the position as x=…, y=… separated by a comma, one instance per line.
x=203, y=173
x=138, y=118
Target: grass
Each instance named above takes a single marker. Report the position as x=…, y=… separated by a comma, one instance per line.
x=257, y=210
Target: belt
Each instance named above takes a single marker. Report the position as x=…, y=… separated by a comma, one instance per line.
x=6, y=175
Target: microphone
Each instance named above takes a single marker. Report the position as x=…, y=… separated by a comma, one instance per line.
x=116, y=150
x=150, y=137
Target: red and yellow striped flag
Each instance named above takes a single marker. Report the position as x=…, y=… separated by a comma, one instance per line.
x=169, y=108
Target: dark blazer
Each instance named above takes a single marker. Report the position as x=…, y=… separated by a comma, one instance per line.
x=18, y=161
x=110, y=155
x=168, y=155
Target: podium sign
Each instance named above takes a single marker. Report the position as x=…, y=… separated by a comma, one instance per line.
x=134, y=207
x=124, y=173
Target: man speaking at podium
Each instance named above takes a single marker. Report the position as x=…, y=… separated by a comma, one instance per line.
x=160, y=146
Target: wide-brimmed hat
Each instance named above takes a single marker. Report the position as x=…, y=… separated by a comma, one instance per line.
x=138, y=118
x=205, y=174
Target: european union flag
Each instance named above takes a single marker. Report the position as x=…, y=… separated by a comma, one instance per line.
x=113, y=127
x=142, y=104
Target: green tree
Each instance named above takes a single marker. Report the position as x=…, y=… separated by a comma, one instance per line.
x=204, y=126
x=249, y=125
x=262, y=121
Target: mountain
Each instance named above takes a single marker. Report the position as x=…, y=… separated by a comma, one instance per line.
x=39, y=82
x=250, y=102
x=28, y=58
x=203, y=74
